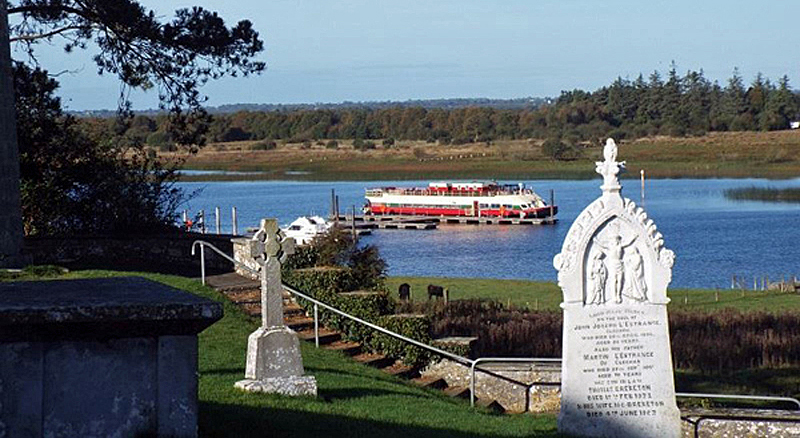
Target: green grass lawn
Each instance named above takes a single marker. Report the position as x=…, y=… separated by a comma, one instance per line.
x=523, y=293
x=354, y=400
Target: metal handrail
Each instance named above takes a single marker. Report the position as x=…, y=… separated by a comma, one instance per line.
x=505, y=360
x=463, y=360
x=316, y=302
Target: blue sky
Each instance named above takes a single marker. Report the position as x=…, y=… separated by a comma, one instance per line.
x=360, y=50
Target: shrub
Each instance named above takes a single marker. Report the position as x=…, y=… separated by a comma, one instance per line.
x=559, y=151
x=388, y=142
x=264, y=145
x=416, y=327
x=332, y=144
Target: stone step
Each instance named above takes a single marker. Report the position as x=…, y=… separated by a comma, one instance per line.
x=373, y=360
x=293, y=310
x=231, y=282
x=492, y=405
x=457, y=391
x=325, y=336
x=298, y=322
x=400, y=369
x=430, y=382
x=346, y=347
x=252, y=309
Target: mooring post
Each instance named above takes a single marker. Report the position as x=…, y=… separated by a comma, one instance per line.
x=353, y=224
x=641, y=172
x=217, y=219
x=202, y=221
x=333, y=203
x=552, y=201
x=234, y=223
x=336, y=204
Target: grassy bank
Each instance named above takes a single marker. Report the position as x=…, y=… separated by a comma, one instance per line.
x=522, y=293
x=730, y=154
x=354, y=400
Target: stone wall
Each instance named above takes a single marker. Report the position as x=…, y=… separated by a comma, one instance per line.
x=169, y=253
x=241, y=253
x=500, y=383
x=739, y=423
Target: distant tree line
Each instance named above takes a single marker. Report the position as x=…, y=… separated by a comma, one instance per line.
x=673, y=105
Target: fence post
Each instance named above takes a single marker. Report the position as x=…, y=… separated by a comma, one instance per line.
x=316, y=324
x=202, y=264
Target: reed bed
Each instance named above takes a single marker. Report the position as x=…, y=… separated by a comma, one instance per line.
x=707, y=342
x=769, y=194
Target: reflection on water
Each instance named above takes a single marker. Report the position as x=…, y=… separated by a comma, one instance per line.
x=712, y=237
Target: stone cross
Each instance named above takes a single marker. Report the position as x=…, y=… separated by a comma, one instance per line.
x=274, y=363
x=616, y=373
x=269, y=247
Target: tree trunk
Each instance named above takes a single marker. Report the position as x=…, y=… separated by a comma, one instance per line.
x=10, y=214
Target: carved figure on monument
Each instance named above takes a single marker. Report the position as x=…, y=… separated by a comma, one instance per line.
x=635, y=285
x=274, y=363
x=614, y=248
x=598, y=276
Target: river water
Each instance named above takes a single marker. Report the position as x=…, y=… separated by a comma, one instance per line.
x=713, y=237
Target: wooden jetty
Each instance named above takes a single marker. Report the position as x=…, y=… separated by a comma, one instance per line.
x=415, y=222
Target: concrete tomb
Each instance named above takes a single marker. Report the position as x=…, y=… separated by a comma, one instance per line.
x=617, y=374
x=105, y=357
x=274, y=363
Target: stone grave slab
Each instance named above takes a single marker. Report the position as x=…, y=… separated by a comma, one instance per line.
x=613, y=269
x=104, y=357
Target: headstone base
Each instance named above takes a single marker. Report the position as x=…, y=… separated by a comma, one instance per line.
x=273, y=352
x=292, y=386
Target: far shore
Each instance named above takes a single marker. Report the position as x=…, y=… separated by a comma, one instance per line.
x=772, y=155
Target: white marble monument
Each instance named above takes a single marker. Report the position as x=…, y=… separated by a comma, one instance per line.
x=617, y=375
x=274, y=363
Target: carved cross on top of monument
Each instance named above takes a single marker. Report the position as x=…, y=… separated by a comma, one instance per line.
x=269, y=247
x=610, y=168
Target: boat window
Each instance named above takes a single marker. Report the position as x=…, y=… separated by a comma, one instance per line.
x=295, y=227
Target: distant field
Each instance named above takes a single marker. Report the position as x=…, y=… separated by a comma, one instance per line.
x=547, y=295
x=731, y=154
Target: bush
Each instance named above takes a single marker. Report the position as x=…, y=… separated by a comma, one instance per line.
x=560, y=151
x=387, y=142
x=264, y=145
x=416, y=327
x=332, y=144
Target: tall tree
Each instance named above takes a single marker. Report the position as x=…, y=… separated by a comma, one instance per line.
x=176, y=58
x=10, y=218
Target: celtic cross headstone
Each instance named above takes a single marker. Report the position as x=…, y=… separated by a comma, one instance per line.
x=274, y=363
x=617, y=375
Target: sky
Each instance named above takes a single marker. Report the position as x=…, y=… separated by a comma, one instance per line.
x=377, y=50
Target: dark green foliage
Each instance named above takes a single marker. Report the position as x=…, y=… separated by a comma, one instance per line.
x=323, y=283
x=71, y=183
x=559, y=150
x=264, y=145
x=176, y=56
x=674, y=105
x=416, y=327
x=332, y=144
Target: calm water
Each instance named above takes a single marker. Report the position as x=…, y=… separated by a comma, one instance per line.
x=712, y=237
